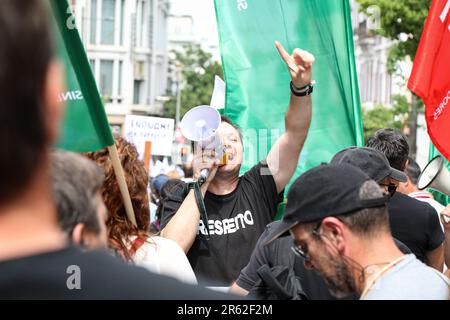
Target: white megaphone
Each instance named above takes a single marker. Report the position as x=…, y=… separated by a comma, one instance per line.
x=435, y=176
x=200, y=125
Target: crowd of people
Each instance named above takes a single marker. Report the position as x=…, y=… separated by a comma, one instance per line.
x=354, y=228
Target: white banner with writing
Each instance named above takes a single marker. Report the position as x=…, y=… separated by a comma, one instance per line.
x=160, y=131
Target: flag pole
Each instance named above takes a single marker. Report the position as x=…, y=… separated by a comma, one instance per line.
x=77, y=55
x=120, y=176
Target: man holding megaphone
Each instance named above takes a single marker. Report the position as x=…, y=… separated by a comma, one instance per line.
x=238, y=207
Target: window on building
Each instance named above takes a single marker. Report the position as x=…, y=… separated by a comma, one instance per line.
x=119, y=86
x=92, y=63
x=143, y=24
x=106, y=79
x=108, y=21
x=102, y=21
x=142, y=20
x=137, y=91
x=93, y=22
x=122, y=22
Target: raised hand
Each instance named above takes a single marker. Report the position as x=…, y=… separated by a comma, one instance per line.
x=299, y=65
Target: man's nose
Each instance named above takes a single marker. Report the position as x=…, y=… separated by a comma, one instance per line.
x=226, y=144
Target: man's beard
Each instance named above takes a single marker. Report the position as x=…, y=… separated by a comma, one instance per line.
x=340, y=283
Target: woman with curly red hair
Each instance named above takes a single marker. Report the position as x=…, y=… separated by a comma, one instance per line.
x=134, y=243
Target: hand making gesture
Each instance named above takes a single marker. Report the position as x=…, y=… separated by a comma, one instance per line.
x=299, y=63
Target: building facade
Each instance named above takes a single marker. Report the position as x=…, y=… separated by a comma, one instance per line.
x=180, y=33
x=376, y=85
x=126, y=42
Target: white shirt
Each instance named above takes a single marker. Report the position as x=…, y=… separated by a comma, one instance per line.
x=410, y=279
x=164, y=256
x=153, y=208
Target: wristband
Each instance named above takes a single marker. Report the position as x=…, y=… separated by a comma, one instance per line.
x=301, y=92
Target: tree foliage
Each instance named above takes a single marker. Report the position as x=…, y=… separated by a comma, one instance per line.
x=198, y=71
x=403, y=22
x=386, y=117
x=397, y=18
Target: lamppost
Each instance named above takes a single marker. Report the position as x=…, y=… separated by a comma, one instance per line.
x=179, y=79
x=178, y=136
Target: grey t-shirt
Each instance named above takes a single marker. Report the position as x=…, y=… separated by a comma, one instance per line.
x=410, y=280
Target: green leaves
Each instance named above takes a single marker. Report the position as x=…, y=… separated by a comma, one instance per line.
x=378, y=117
x=401, y=17
x=197, y=73
x=402, y=22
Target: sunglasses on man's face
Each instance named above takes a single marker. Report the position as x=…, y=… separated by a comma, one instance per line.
x=302, y=250
x=390, y=187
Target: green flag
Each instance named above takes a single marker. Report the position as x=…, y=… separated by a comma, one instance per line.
x=85, y=127
x=438, y=196
x=258, y=81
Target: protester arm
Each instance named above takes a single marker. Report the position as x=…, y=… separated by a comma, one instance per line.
x=236, y=289
x=446, y=212
x=183, y=226
x=447, y=248
x=283, y=157
x=435, y=258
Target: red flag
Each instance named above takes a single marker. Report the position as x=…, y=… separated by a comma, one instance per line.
x=430, y=77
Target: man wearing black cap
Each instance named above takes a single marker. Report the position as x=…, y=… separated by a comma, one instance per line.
x=376, y=166
x=374, y=163
x=413, y=222
x=339, y=221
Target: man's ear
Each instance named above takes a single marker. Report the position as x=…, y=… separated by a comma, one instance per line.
x=336, y=233
x=54, y=86
x=77, y=234
x=405, y=166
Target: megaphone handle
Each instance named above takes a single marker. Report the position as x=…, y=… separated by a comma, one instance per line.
x=204, y=173
x=201, y=208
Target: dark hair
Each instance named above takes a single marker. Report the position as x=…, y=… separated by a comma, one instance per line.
x=413, y=171
x=75, y=182
x=26, y=50
x=156, y=184
x=119, y=227
x=393, y=144
x=368, y=222
x=188, y=170
x=166, y=191
x=228, y=120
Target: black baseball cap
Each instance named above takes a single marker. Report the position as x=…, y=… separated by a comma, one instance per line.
x=373, y=162
x=324, y=191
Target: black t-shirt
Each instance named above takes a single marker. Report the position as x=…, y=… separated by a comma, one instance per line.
x=279, y=253
x=236, y=221
x=100, y=276
x=415, y=223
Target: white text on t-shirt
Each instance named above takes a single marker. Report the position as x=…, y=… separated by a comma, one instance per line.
x=227, y=226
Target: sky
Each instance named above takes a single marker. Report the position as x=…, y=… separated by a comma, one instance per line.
x=205, y=28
